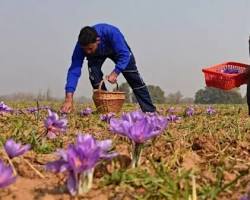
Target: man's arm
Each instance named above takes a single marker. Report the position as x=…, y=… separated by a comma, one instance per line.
x=121, y=49
x=74, y=71
x=73, y=75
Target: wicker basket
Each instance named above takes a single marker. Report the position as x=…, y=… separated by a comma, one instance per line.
x=106, y=101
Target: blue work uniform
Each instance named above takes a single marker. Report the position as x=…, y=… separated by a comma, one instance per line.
x=113, y=46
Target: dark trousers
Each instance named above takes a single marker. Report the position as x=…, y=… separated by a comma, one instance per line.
x=248, y=97
x=131, y=75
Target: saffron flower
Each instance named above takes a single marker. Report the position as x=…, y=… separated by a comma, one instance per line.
x=6, y=175
x=171, y=110
x=190, y=111
x=14, y=149
x=245, y=197
x=4, y=107
x=230, y=70
x=210, y=110
x=173, y=118
x=86, y=112
x=54, y=125
x=139, y=128
x=107, y=117
x=79, y=160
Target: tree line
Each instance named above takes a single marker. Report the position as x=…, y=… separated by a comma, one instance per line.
x=208, y=95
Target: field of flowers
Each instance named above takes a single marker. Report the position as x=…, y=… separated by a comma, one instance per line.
x=182, y=152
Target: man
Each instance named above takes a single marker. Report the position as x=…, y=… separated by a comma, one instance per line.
x=248, y=83
x=96, y=44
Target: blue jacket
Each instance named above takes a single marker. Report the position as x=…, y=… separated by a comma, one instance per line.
x=112, y=43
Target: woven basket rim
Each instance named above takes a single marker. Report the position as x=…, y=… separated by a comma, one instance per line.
x=108, y=92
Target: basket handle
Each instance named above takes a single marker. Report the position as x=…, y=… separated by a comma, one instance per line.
x=101, y=83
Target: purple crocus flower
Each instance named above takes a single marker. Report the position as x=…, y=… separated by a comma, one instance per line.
x=14, y=149
x=210, y=110
x=4, y=107
x=134, y=116
x=138, y=126
x=55, y=125
x=245, y=197
x=75, y=161
x=142, y=130
x=173, y=118
x=79, y=159
x=88, y=142
x=86, y=112
x=190, y=111
x=171, y=110
x=107, y=117
x=6, y=175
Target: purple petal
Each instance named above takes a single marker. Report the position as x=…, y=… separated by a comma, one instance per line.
x=119, y=126
x=109, y=155
x=171, y=110
x=53, y=115
x=173, y=118
x=5, y=108
x=105, y=145
x=61, y=124
x=75, y=159
x=245, y=197
x=63, y=154
x=141, y=131
x=55, y=125
x=14, y=149
x=6, y=175
x=48, y=122
x=190, y=111
x=210, y=110
x=86, y=142
x=57, y=166
x=107, y=117
x=132, y=116
x=86, y=111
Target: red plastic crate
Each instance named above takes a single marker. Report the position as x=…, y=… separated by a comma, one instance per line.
x=214, y=76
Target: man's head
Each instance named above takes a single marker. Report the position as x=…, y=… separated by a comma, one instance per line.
x=89, y=40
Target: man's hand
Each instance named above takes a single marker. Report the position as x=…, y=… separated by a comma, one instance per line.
x=112, y=77
x=68, y=103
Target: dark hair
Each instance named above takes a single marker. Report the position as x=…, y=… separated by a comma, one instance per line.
x=87, y=35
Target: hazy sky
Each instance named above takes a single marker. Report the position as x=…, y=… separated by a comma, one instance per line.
x=171, y=39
